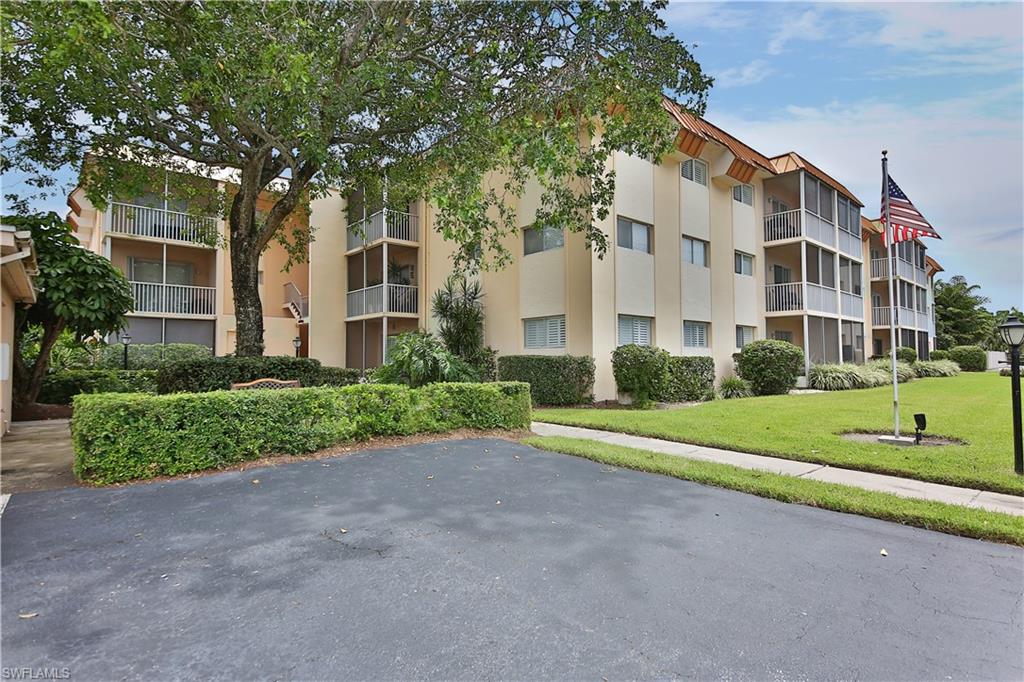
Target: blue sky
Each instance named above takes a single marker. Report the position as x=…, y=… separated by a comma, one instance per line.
x=937, y=84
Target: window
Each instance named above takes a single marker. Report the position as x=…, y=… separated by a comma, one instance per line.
x=537, y=239
x=744, y=263
x=780, y=335
x=821, y=267
x=544, y=332
x=146, y=270
x=695, y=251
x=634, y=329
x=849, y=217
x=853, y=342
x=776, y=206
x=781, y=275
x=696, y=171
x=696, y=334
x=744, y=335
x=634, y=235
x=920, y=257
x=743, y=194
x=849, y=276
x=818, y=197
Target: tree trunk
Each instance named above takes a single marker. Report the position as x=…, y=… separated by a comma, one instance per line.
x=28, y=381
x=245, y=285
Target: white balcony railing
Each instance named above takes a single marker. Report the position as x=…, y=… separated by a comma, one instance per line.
x=850, y=244
x=879, y=268
x=384, y=223
x=821, y=299
x=819, y=229
x=174, y=299
x=780, y=226
x=852, y=305
x=157, y=223
x=907, y=318
x=784, y=297
x=904, y=269
x=383, y=300
x=880, y=317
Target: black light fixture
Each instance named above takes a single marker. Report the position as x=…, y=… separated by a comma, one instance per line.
x=1012, y=332
x=920, y=423
x=126, y=341
x=297, y=342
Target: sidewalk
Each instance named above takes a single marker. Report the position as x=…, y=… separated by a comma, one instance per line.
x=902, y=487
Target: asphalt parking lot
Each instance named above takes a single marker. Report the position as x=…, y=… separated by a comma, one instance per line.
x=485, y=559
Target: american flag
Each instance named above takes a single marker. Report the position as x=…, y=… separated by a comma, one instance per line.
x=907, y=221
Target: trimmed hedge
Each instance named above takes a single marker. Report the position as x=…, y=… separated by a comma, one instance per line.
x=217, y=374
x=689, y=379
x=939, y=354
x=60, y=388
x=149, y=355
x=770, y=367
x=553, y=379
x=641, y=371
x=121, y=437
x=970, y=358
x=906, y=354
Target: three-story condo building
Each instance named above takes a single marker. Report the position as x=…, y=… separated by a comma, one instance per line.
x=711, y=247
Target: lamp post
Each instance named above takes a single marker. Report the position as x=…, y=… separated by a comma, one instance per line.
x=1012, y=332
x=297, y=342
x=126, y=341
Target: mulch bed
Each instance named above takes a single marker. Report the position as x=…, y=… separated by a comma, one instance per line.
x=36, y=411
x=872, y=437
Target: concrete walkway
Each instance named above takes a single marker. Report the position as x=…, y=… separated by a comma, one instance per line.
x=903, y=487
x=37, y=455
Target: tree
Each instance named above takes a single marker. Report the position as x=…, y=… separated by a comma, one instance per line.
x=433, y=95
x=961, y=318
x=995, y=338
x=79, y=291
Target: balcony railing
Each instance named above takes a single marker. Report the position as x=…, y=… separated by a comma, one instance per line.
x=157, y=223
x=879, y=268
x=908, y=317
x=851, y=244
x=296, y=301
x=383, y=300
x=784, y=297
x=174, y=299
x=798, y=223
x=880, y=317
x=821, y=299
x=852, y=305
x=384, y=223
x=904, y=269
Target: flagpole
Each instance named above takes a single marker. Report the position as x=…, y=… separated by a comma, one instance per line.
x=890, y=257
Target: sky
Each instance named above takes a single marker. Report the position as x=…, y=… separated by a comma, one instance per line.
x=939, y=85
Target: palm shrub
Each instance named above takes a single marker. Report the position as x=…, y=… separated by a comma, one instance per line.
x=836, y=377
x=936, y=368
x=734, y=387
x=770, y=367
x=970, y=358
x=640, y=371
x=904, y=372
x=875, y=374
x=419, y=358
x=459, y=309
x=906, y=354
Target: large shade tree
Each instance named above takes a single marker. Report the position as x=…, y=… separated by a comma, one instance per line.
x=432, y=95
x=960, y=315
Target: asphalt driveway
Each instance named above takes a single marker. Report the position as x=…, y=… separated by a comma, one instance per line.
x=485, y=559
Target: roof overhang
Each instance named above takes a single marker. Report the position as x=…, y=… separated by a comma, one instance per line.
x=18, y=266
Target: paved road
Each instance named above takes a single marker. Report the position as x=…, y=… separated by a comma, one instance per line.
x=581, y=571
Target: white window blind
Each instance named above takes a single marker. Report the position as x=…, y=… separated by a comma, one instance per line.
x=696, y=171
x=744, y=263
x=695, y=251
x=634, y=329
x=544, y=332
x=633, y=235
x=536, y=239
x=743, y=194
x=744, y=335
x=695, y=334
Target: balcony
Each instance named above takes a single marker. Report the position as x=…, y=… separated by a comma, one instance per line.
x=296, y=302
x=798, y=224
x=907, y=318
x=381, y=299
x=384, y=224
x=800, y=297
x=157, y=223
x=852, y=305
x=174, y=299
x=904, y=270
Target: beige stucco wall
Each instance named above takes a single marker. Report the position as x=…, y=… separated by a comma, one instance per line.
x=327, y=273
x=6, y=358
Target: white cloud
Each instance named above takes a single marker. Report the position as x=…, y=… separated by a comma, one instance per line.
x=748, y=74
x=687, y=16
x=804, y=27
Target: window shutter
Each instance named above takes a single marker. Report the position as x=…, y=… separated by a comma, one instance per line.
x=643, y=331
x=687, y=169
x=700, y=173
x=743, y=194
x=625, y=330
x=556, y=332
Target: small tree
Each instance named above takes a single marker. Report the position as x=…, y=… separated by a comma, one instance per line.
x=79, y=291
x=418, y=358
x=459, y=309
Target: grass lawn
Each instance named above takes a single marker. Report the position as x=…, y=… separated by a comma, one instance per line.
x=972, y=407
x=946, y=518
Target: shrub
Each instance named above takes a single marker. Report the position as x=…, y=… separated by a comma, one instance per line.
x=769, y=366
x=640, y=371
x=553, y=379
x=60, y=388
x=734, y=387
x=906, y=354
x=904, y=372
x=1008, y=371
x=418, y=358
x=970, y=358
x=689, y=379
x=936, y=368
x=939, y=354
x=831, y=377
x=149, y=355
x=876, y=374
x=120, y=437
x=485, y=362
x=216, y=374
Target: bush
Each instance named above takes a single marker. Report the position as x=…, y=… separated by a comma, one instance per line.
x=734, y=387
x=689, y=379
x=936, y=368
x=939, y=354
x=149, y=355
x=216, y=374
x=553, y=379
x=1008, y=371
x=970, y=358
x=418, y=358
x=906, y=354
x=836, y=377
x=485, y=362
x=770, y=367
x=132, y=436
x=640, y=371
x=60, y=388
x=904, y=372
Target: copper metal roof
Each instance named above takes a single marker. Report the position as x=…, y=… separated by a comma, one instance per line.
x=708, y=131
x=785, y=163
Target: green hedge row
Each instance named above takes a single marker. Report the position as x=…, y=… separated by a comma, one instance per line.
x=216, y=374
x=121, y=437
x=149, y=355
x=60, y=388
x=689, y=379
x=553, y=379
x=970, y=358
